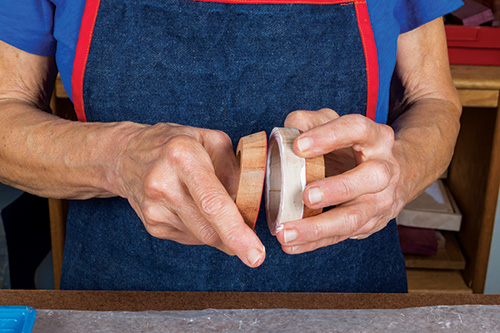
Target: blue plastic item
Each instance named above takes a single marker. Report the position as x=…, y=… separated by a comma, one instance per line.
x=17, y=319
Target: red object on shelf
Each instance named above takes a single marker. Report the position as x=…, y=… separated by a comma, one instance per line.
x=421, y=241
x=472, y=14
x=473, y=45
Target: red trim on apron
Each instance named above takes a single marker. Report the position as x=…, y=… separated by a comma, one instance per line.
x=277, y=2
x=81, y=55
x=364, y=24
x=371, y=59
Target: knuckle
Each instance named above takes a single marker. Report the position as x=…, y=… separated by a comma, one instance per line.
x=220, y=138
x=297, y=115
x=324, y=242
x=346, y=188
x=326, y=110
x=211, y=203
x=318, y=231
x=155, y=230
x=179, y=150
x=382, y=174
x=152, y=185
x=163, y=229
x=150, y=213
x=396, y=171
x=373, y=226
x=388, y=201
x=385, y=204
x=387, y=134
x=157, y=187
x=208, y=236
x=354, y=220
x=361, y=123
x=295, y=118
x=231, y=236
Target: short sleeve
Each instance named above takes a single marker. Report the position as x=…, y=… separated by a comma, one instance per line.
x=413, y=13
x=28, y=25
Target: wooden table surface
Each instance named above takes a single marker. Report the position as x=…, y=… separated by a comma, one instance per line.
x=163, y=301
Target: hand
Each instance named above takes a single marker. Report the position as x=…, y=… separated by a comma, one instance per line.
x=180, y=181
x=362, y=179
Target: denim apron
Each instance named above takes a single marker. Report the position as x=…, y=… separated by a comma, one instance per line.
x=236, y=66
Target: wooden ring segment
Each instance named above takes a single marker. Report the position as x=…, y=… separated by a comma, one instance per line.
x=251, y=153
x=286, y=177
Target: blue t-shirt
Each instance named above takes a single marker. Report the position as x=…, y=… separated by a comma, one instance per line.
x=51, y=27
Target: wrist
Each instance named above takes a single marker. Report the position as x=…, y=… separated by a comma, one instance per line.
x=115, y=157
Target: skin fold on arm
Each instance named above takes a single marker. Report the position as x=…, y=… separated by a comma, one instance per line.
x=178, y=179
x=376, y=169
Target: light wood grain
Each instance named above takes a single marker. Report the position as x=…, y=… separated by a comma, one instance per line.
x=436, y=281
x=476, y=77
x=315, y=170
x=449, y=257
x=479, y=98
x=251, y=153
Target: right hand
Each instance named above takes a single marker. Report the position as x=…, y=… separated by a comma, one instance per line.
x=180, y=181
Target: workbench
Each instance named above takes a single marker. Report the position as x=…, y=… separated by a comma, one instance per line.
x=58, y=310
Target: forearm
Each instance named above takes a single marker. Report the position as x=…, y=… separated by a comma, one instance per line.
x=425, y=137
x=52, y=157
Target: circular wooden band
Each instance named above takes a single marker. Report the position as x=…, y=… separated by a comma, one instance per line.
x=315, y=170
x=251, y=153
x=286, y=177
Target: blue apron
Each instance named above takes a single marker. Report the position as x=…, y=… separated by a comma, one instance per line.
x=239, y=67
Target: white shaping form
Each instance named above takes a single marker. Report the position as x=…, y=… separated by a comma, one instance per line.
x=285, y=179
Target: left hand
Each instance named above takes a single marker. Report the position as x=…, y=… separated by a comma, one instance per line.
x=363, y=178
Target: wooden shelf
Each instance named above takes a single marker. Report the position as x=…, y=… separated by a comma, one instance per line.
x=449, y=257
x=436, y=281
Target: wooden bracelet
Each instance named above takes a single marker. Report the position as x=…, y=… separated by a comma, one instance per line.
x=286, y=177
x=251, y=154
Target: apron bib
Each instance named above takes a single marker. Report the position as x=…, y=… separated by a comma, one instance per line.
x=236, y=66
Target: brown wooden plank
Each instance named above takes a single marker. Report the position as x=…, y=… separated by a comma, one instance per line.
x=474, y=181
x=473, y=174
x=162, y=301
x=58, y=209
x=436, y=281
x=479, y=98
x=450, y=257
x=476, y=77
x=489, y=210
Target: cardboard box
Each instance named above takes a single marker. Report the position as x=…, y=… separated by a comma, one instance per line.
x=435, y=208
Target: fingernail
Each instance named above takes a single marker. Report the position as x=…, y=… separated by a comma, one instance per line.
x=304, y=143
x=315, y=195
x=254, y=255
x=290, y=235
